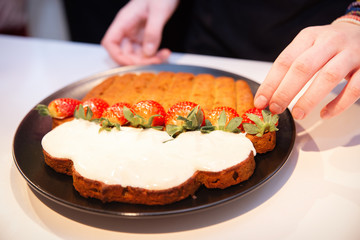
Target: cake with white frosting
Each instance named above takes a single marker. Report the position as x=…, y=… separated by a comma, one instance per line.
x=147, y=166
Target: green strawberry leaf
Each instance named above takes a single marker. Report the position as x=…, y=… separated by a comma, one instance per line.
x=107, y=125
x=160, y=128
x=148, y=124
x=128, y=114
x=189, y=125
x=136, y=120
x=233, y=125
x=80, y=113
x=256, y=119
x=199, y=117
x=207, y=129
x=174, y=130
x=274, y=120
x=268, y=124
x=195, y=118
x=266, y=115
x=207, y=122
x=192, y=122
x=89, y=114
x=251, y=128
x=117, y=126
x=193, y=112
x=182, y=118
x=43, y=110
x=222, y=120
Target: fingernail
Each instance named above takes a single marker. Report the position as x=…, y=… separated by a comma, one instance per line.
x=260, y=101
x=298, y=113
x=275, y=108
x=324, y=114
x=149, y=49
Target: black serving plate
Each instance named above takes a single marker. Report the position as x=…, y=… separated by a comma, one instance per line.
x=57, y=187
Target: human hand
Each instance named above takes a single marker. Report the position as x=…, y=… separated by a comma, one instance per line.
x=328, y=53
x=135, y=34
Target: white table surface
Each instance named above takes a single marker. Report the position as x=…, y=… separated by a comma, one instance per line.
x=316, y=195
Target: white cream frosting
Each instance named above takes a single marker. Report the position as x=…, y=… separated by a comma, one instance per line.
x=139, y=157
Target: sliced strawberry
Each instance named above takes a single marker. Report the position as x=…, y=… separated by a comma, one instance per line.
x=115, y=113
x=257, y=122
x=184, y=116
x=96, y=105
x=180, y=109
x=222, y=118
x=215, y=114
x=146, y=114
x=59, y=108
x=255, y=111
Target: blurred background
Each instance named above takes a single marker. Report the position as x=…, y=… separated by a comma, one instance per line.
x=225, y=28
x=36, y=18
x=76, y=20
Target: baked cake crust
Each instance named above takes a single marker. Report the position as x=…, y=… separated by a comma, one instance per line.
x=265, y=143
x=168, y=88
x=110, y=193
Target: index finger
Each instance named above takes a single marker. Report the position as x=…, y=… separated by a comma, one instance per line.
x=112, y=40
x=281, y=66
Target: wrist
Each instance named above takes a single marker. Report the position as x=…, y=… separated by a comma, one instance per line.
x=352, y=14
x=348, y=19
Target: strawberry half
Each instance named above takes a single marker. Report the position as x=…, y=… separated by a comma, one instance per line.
x=257, y=122
x=146, y=114
x=96, y=105
x=184, y=116
x=222, y=118
x=254, y=111
x=113, y=117
x=59, y=108
x=115, y=113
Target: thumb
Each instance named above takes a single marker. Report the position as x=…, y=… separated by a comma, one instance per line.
x=157, y=18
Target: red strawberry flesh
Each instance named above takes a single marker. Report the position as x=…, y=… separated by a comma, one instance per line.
x=62, y=107
x=213, y=115
x=149, y=108
x=97, y=106
x=180, y=109
x=115, y=113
